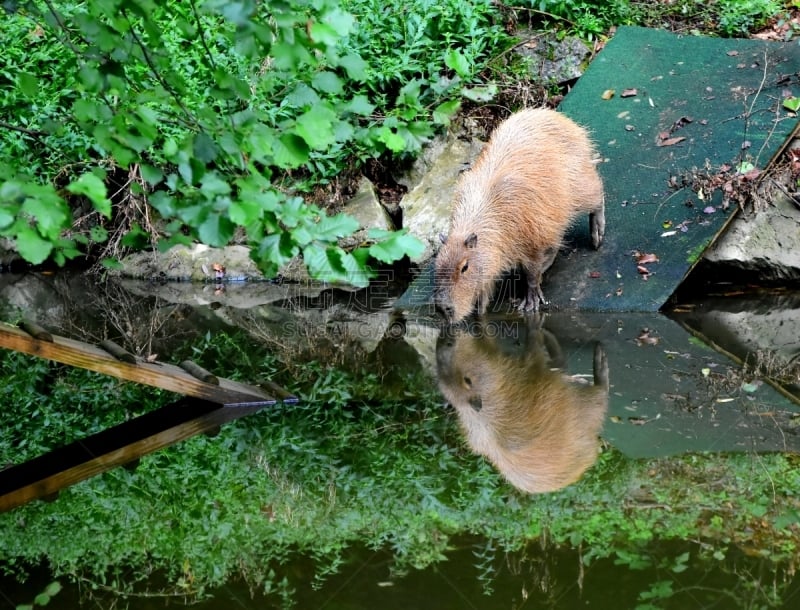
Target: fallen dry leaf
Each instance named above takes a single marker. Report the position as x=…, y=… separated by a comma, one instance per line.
x=732, y=53
x=594, y=274
x=684, y=120
x=645, y=338
x=608, y=94
x=670, y=141
x=644, y=259
x=629, y=93
x=642, y=270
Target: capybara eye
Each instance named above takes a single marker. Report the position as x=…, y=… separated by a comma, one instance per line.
x=464, y=268
x=468, y=382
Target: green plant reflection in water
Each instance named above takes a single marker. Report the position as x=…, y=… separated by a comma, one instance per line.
x=352, y=468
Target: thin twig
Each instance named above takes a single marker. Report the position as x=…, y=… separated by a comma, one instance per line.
x=31, y=132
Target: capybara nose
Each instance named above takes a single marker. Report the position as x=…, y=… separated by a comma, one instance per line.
x=445, y=310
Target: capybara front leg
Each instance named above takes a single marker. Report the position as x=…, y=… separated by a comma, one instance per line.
x=597, y=225
x=534, y=297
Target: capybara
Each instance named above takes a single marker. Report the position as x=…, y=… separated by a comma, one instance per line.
x=537, y=425
x=535, y=176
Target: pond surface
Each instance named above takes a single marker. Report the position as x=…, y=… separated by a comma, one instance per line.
x=671, y=472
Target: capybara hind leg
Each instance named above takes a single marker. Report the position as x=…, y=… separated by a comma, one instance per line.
x=597, y=225
x=600, y=367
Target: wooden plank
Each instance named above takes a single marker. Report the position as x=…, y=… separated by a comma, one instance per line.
x=157, y=374
x=47, y=474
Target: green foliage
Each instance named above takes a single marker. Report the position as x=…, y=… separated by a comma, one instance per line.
x=593, y=18
x=353, y=466
x=44, y=597
x=588, y=19
x=740, y=17
x=225, y=112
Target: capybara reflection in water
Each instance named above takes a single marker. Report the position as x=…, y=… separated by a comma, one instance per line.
x=536, y=175
x=536, y=424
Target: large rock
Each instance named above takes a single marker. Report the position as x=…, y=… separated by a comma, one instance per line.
x=765, y=244
x=366, y=208
x=553, y=60
x=426, y=207
x=191, y=263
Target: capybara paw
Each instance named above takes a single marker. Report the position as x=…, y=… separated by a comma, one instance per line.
x=597, y=227
x=600, y=363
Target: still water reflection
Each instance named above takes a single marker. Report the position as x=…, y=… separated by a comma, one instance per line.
x=537, y=425
x=360, y=499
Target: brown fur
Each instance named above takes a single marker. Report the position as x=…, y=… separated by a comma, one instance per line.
x=535, y=424
x=534, y=177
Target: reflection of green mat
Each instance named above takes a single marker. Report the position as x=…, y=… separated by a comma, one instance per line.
x=731, y=90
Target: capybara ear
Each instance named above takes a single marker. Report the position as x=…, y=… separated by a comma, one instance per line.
x=471, y=241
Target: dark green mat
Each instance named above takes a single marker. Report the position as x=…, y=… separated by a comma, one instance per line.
x=732, y=92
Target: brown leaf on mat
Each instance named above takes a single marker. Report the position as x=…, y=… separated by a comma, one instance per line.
x=644, y=259
x=670, y=141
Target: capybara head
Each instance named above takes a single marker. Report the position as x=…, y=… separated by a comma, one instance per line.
x=535, y=424
x=459, y=277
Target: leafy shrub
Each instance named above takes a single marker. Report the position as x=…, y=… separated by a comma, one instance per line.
x=219, y=114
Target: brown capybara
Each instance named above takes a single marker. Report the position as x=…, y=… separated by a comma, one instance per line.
x=535, y=176
x=538, y=426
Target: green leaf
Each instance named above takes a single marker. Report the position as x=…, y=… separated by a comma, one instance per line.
x=393, y=141
x=315, y=126
x=458, y=62
x=792, y=104
x=244, y=213
x=444, y=112
x=50, y=219
x=112, y=263
x=135, y=238
x=329, y=228
x=293, y=211
x=6, y=218
x=98, y=234
x=359, y=105
x=341, y=21
x=409, y=93
x=91, y=111
x=260, y=141
x=28, y=84
x=394, y=245
x=216, y=230
x=94, y=189
x=355, y=67
x=290, y=151
x=327, y=82
x=213, y=185
x=41, y=600
x=302, y=96
x=480, y=94
x=323, y=263
x=274, y=251
x=205, y=149
x=289, y=57
x=32, y=247
x=151, y=174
